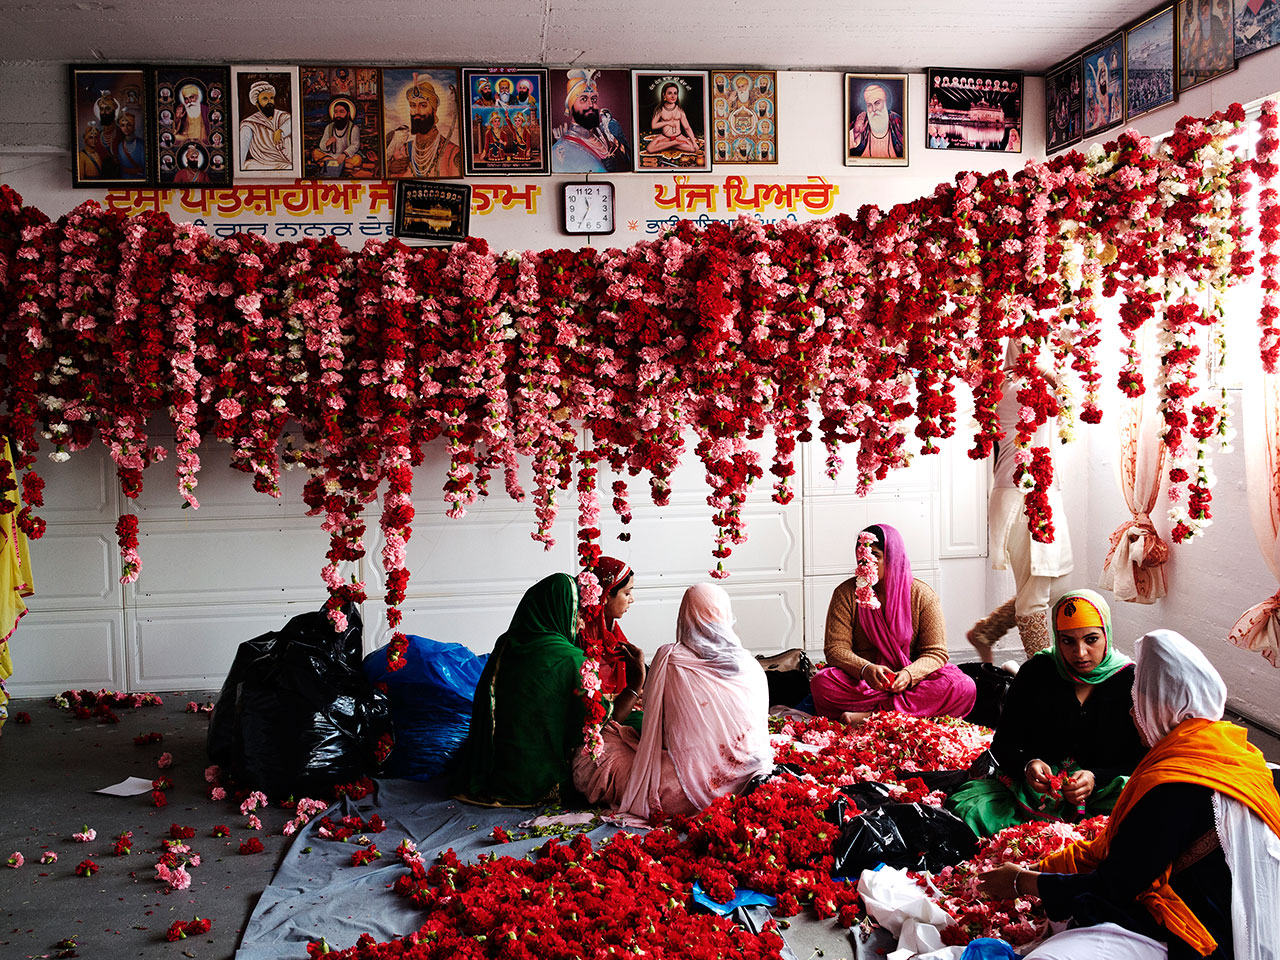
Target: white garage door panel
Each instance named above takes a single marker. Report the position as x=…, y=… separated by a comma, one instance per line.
x=675, y=543
x=76, y=566
x=473, y=554
x=768, y=617
x=80, y=490
x=917, y=479
x=223, y=493
x=474, y=621
x=56, y=651
x=194, y=647
x=230, y=562
x=832, y=525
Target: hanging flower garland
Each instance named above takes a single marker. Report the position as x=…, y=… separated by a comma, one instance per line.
x=866, y=323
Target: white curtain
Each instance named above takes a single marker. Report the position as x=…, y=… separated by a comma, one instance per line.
x=1134, y=568
x=1258, y=628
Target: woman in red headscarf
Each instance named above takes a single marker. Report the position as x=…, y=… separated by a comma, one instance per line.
x=600, y=632
x=893, y=656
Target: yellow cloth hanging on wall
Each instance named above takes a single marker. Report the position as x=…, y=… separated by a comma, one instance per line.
x=15, y=581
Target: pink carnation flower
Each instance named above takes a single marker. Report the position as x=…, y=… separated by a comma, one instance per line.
x=16, y=860
x=166, y=760
x=86, y=835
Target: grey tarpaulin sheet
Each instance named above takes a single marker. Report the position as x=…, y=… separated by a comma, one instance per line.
x=320, y=894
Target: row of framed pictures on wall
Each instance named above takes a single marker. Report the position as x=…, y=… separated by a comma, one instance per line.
x=1145, y=65
x=205, y=126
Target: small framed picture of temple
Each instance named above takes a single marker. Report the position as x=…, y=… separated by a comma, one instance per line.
x=428, y=210
x=193, y=125
x=506, y=128
x=973, y=109
x=266, y=112
x=875, y=120
x=111, y=126
x=671, y=111
x=1206, y=41
x=744, y=109
x=1102, y=73
x=1062, y=105
x=1151, y=64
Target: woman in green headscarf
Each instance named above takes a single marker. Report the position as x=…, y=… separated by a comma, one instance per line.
x=1066, y=742
x=527, y=719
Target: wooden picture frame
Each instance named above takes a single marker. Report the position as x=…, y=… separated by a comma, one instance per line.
x=1063, y=105
x=266, y=112
x=744, y=111
x=973, y=109
x=1206, y=41
x=105, y=100
x=426, y=97
x=671, y=110
x=431, y=210
x=1102, y=78
x=506, y=121
x=1151, y=64
x=193, y=142
x=341, y=122
x=583, y=142
x=872, y=99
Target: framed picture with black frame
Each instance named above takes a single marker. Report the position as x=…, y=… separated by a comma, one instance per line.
x=1151, y=64
x=111, y=126
x=1062, y=105
x=432, y=210
x=1102, y=74
x=506, y=121
x=1206, y=41
x=973, y=109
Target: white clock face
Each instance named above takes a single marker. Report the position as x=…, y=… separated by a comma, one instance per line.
x=588, y=208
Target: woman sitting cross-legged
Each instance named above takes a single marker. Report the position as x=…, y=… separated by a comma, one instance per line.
x=1066, y=717
x=527, y=722
x=706, y=730
x=1189, y=862
x=893, y=657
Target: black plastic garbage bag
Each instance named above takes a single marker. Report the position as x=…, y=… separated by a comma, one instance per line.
x=905, y=835
x=993, y=685
x=296, y=715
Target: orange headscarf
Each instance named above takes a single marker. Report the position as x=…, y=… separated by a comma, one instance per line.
x=1211, y=753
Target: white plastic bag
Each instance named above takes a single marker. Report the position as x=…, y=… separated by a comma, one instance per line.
x=891, y=898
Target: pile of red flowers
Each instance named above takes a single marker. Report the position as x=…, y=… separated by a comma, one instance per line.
x=632, y=893
x=181, y=929
x=1019, y=920
x=853, y=330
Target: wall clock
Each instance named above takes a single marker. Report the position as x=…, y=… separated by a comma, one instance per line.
x=587, y=208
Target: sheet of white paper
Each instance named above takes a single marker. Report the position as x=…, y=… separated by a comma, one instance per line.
x=129, y=787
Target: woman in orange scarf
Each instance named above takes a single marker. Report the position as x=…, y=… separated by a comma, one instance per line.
x=1189, y=863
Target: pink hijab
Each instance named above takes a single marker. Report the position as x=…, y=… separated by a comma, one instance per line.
x=889, y=628
x=707, y=705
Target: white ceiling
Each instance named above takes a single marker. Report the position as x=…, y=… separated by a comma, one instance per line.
x=1027, y=35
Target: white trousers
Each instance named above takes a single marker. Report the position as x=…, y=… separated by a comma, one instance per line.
x=1107, y=940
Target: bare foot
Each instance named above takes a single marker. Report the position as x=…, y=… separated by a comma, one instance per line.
x=854, y=717
x=984, y=649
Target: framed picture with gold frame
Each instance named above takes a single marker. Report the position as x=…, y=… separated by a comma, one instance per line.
x=744, y=110
x=1151, y=64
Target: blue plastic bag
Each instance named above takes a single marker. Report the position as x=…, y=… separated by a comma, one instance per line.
x=741, y=898
x=430, y=699
x=988, y=948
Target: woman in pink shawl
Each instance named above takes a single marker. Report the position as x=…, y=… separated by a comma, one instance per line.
x=893, y=657
x=706, y=727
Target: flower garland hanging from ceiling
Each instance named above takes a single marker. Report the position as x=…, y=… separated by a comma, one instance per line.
x=854, y=330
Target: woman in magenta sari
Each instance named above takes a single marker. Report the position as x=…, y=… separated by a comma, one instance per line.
x=893, y=657
x=706, y=727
